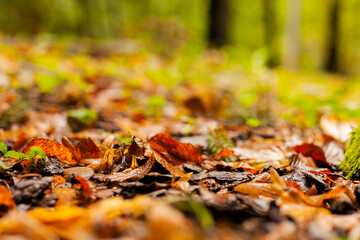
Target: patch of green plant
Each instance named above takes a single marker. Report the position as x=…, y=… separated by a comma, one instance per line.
x=156, y=104
x=84, y=115
x=29, y=155
x=351, y=163
x=198, y=209
x=16, y=113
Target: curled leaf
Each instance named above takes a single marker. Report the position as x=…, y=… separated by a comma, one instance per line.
x=139, y=172
x=75, y=152
x=163, y=161
x=311, y=150
x=88, y=188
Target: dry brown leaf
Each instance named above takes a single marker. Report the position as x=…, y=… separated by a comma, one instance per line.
x=139, y=172
x=163, y=161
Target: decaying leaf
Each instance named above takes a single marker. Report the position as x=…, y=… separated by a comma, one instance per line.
x=52, y=148
x=136, y=148
x=88, y=189
x=75, y=152
x=165, y=162
x=311, y=150
x=87, y=148
x=136, y=173
x=179, y=152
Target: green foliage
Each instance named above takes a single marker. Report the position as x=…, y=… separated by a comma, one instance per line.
x=16, y=155
x=84, y=115
x=16, y=113
x=253, y=122
x=3, y=147
x=46, y=84
x=155, y=105
x=199, y=210
x=35, y=151
x=29, y=155
x=351, y=163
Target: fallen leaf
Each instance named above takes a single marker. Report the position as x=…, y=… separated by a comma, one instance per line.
x=52, y=148
x=180, y=152
x=87, y=148
x=6, y=199
x=139, y=172
x=311, y=150
x=224, y=153
x=165, y=162
x=88, y=188
x=75, y=152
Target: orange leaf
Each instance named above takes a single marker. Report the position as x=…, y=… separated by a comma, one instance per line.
x=178, y=152
x=165, y=162
x=52, y=148
x=75, y=152
x=224, y=153
x=87, y=148
x=6, y=198
x=59, y=180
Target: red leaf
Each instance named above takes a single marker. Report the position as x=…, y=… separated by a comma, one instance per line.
x=88, y=188
x=178, y=152
x=87, y=148
x=311, y=150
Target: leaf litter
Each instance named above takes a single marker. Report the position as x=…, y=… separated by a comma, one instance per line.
x=121, y=163
x=110, y=189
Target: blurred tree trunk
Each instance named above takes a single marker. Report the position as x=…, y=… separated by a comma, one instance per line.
x=271, y=33
x=332, y=64
x=218, y=13
x=292, y=34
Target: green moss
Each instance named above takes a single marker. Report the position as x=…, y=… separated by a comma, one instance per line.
x=351, y=162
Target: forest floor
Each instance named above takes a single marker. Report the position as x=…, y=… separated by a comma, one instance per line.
x=143, y=146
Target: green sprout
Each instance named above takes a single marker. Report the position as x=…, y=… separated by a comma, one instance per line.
x=29, y=155
x=84, y=115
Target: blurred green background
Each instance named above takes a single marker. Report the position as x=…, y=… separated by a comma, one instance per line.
x=303, y=29
x=302, y=53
